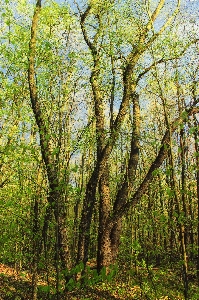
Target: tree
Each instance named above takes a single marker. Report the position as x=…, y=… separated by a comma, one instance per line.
x=99, y=117
x=111, y=218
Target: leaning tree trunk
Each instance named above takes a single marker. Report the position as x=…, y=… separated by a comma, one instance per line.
x=125, y=192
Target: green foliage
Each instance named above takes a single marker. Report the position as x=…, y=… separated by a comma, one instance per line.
x=164, y=78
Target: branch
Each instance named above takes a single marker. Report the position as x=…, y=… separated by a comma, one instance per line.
x=155, y=14
x=82, y=23
x=4, y=183
x=162, y=60
x=79, y=139
x=163, y=152
x=32, y=50
x=91, y=44
x=166, y=24
x=151, y=66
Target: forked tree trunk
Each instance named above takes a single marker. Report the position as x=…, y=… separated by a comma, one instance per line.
x=110, y=226
x=109, y=239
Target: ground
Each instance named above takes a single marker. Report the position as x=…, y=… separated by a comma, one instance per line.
x=17, y=286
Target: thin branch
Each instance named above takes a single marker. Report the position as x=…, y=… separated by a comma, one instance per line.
x=4, y=183
x=166, y=24
x=79, y=139
x=155, y=14
x=163, y=60
x=82, y=23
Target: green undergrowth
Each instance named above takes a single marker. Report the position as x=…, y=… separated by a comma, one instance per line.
x=140, y=284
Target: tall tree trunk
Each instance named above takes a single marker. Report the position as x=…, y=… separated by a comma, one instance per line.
x=196, y=136
x=181, y=105
x=104, y=245
x=174, y=187
x=36, y=248
x=55, y=199
x=181, y=229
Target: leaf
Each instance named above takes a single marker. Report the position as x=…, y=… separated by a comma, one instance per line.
x=55, y=151
x=45, y=289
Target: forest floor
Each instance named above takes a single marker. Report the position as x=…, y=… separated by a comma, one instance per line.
x=17, y=286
